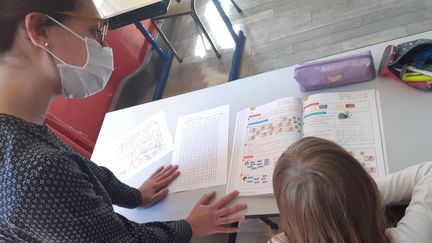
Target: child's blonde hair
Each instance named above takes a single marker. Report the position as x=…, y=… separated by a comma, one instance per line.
x=324, y=195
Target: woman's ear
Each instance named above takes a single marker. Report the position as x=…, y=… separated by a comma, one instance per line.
x=36, y=25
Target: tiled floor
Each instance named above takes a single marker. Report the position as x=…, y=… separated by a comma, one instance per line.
x=281, y=33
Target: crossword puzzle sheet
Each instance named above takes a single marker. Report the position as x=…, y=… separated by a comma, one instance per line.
x=138, y=148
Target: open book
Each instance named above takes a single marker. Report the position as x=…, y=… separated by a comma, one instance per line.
x=263, y=133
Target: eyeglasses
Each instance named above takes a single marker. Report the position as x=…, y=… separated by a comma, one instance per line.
x=103, y=24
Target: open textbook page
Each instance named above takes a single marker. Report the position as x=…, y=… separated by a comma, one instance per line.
x=350, y=119
x=201, y=149
x=110, y=8
x=139, y=147
x=261, y=135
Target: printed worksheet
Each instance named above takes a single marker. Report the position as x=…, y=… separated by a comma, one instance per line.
x=110, y=8
x=262, y=134
x=350, y=119
x=201, y=149
x=140, y=147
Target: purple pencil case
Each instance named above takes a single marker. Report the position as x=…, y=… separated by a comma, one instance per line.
x=335, y=72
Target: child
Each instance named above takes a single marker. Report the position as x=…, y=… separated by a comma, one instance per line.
x=325, y=195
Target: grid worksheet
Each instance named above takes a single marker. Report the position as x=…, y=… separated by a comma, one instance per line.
x=200, y=149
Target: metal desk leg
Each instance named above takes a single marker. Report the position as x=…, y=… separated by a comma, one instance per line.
x=168, y=42
x=166, y=58
x=273, y=225
x=238, y=40
x=236, y=6
x=233, y=237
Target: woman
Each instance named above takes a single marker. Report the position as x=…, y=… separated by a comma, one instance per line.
x=47, y=191
x=325, y=195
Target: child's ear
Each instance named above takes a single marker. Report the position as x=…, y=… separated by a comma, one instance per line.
x=35, y=25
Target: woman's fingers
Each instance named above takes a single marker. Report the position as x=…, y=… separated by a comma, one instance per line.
x=167, y=172
x=226, y=199
x=228, y=230
x=231, y=219
x=163, y=171
x=165, y=182
x=205, y=200
x=160, y=195
x=227, y=211
x=206, y=218
x=157, y=172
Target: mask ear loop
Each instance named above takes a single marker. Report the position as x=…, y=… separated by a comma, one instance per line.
x=65, y=27
x=45, y=45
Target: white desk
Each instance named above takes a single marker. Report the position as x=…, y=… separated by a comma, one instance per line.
x=406, y=115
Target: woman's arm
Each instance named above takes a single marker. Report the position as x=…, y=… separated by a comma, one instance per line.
x=154, y=189
x=64, y=203
x=121, y=194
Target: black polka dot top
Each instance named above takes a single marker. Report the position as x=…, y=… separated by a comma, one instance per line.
x=49, y=193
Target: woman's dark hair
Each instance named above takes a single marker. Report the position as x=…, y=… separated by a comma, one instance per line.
x=12, y=12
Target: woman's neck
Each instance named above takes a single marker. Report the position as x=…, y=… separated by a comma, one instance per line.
x=24, y=94
x=11, y=107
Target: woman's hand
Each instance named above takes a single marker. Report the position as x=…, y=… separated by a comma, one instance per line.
x=206, y=219
x=155, y=188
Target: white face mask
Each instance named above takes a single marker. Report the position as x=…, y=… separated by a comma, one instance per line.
x=82, y=82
